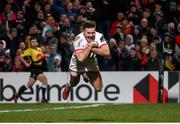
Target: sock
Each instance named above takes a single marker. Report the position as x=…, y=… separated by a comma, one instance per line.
x=44, y=87
x=85, y=77
x=69, y=84
x=22, y=89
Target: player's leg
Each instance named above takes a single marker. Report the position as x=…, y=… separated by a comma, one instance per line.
x=96, y=80
x=30, y=83
x=72, y=82
x=85, y=77
x=42, y=78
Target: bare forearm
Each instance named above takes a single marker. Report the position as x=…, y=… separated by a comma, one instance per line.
x=24, y=62
x=82, y=55
x=103, y=51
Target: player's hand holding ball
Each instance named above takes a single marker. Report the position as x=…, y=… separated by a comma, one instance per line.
x=93, y=44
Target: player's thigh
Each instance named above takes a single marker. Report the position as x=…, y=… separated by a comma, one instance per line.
x=96, y=80
x=42, y=78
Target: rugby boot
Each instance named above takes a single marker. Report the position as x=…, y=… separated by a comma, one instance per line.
x=15, y=97
x=66, y=92
x=44, y=101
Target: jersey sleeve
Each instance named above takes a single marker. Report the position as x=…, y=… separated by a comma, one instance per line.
x=78, y=44
x=102, y=41
x=27, y=52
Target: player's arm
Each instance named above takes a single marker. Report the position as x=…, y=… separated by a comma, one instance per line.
x=82, y=54
x=103, y=50
x=102, y=47
x=23, y=55
x=25, y=63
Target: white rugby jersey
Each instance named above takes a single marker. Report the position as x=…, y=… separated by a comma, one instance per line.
x=90, y=64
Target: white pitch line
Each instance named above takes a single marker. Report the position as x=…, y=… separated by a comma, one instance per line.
x=56, y=108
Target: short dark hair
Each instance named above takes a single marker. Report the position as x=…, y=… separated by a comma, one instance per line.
x=89, y=24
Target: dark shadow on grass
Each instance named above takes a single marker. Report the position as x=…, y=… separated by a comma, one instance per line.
x=90, y=120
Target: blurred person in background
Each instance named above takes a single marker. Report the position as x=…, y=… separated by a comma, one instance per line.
x=129, y=41
x=160, y=22
x=152, y=62
x=144, y=50
x=118, y=34
x=54, y=59
x=2, y=56
x=169, y=63
x=66, y=51
x=90, y=11
x=127, y=26
x=12, y=42
x=34, y=31
x=144, y=28
x=113, y=63
x=132, y=62
x=122, y=54
x=50, y=21
x=8, y=61
x=116, y=22
x=18, y=66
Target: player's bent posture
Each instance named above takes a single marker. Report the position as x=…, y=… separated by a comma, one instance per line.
x=83, y=61
x=33, y=58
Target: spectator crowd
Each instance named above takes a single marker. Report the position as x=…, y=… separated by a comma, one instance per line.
x=139, y=32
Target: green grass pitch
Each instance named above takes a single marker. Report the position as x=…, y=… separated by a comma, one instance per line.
x=105, y=113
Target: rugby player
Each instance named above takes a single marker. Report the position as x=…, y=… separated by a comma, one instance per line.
x=83, y=61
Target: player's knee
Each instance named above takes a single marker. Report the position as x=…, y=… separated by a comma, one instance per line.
x=98, y=89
